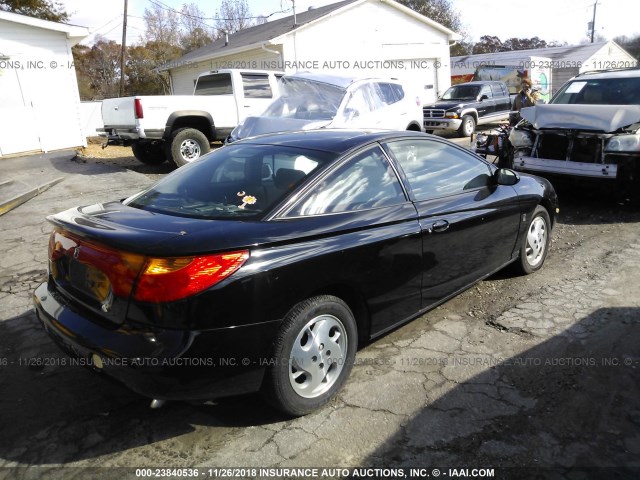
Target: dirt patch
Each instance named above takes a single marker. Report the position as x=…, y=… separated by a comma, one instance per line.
x=120, y=157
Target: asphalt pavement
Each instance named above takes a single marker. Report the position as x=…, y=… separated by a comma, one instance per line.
x=534, y=375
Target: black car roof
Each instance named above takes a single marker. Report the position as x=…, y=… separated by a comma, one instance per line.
x=329, y=140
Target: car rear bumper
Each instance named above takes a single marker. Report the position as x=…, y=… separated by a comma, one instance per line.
x=160, y=363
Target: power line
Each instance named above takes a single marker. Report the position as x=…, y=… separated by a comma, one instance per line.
x=202, y=19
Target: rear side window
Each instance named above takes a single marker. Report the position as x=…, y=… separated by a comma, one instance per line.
x=435, y=169
x=366, y=181
x=486, y=90
x=256, y=85
x=217, y=84
x=496, y=89
x=391, y=93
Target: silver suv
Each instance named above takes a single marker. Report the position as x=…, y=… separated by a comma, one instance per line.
x=591, y=128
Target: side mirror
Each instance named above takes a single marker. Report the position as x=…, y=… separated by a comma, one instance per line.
x=505, y=176
x=484, y=97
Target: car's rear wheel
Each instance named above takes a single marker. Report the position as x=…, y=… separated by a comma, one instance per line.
x=467, y=127
x=149, y=152
x=535, y=244
x=312, y=355
x=187, y=145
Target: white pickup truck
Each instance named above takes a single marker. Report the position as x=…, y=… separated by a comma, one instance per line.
x=180, y=128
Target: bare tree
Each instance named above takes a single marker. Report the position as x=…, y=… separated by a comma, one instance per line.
x=234, y=15
x=195, y=33
x=162, y=25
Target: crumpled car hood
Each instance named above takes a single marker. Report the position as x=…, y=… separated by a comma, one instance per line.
x=602, y=118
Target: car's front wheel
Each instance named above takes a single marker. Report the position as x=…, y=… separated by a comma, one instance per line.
x=535, y=244
x=467, y=127
x=312, y=355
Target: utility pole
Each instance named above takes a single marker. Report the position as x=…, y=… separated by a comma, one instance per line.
x=124, y=47
x=593, y=23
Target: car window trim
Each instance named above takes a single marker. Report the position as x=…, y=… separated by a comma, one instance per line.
x=280, y=211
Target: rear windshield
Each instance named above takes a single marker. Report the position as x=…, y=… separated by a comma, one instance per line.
x=301, y=98
x=610, y=91
x=237, y=181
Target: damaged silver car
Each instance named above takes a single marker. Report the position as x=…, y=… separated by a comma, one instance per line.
x=590, y=129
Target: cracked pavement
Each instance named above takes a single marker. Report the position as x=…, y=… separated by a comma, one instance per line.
x=535, y=371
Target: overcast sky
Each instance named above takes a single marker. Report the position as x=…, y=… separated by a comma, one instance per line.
x=564, y=21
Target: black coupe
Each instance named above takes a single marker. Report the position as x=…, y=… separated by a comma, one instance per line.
x=263, y=265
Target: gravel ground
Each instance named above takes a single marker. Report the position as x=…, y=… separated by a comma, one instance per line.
x=520, y=374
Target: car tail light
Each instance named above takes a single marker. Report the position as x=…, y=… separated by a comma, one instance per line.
x=169, y=279
x=154, y=280
x=120, y=268
x=137, y=105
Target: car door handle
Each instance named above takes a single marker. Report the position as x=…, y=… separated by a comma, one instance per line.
x=440, y=226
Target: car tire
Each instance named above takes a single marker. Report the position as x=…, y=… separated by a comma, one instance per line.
x=149, y=152
x=312, y=356
x=467, y=127
x=536, y=242
x=187, y=145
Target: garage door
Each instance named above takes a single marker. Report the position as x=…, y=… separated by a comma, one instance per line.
x=419, y=74
x=17, y=119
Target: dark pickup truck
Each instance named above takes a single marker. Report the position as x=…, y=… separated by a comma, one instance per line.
x=466, y=105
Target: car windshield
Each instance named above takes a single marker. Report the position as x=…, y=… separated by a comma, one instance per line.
x=609, y=91
x=306, y=99
x=238, y=181
x=461, y=92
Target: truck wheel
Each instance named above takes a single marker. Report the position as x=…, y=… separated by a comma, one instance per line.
x=467, y=127
x=149, y=152
x=187, y=145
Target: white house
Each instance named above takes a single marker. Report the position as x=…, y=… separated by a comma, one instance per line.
x=562, y=62
x=372, y=37
x=39, y=99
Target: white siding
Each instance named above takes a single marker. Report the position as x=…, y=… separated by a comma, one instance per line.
x=45, y=88
x=609, y=56
x=388, y=43
x=370, y=38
